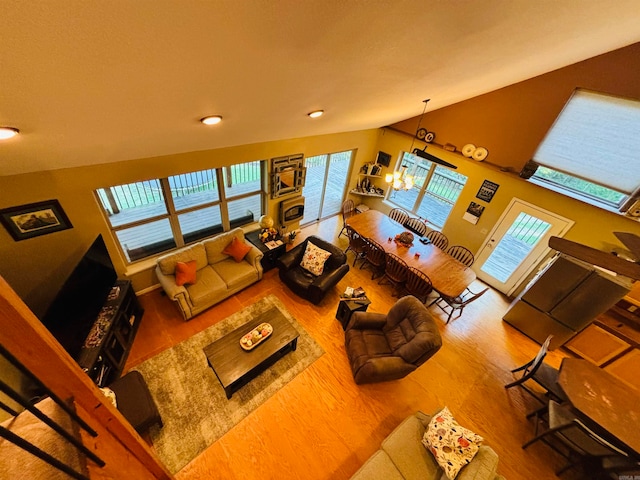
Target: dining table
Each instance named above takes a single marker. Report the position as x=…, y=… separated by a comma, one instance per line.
x=448, y=276
x=603, y=400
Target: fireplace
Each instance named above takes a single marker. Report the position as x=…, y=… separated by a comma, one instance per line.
x=291, y=210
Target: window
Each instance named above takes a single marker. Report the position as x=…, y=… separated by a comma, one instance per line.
x=590, y=152
x=154, y=216
x=435, y=191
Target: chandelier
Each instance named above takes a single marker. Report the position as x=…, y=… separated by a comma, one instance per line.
x=399, y=180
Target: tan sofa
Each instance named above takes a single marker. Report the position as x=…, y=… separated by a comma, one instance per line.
x=402, y=456
x=218, y=275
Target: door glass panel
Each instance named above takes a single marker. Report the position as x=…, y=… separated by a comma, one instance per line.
x=336, y=179
x=514, y=247
x=313, y=187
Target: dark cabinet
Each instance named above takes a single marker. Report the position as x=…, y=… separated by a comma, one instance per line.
x=271, y=255
x=109, y=341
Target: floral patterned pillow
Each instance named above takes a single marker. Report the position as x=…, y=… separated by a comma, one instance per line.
x=452, y=446
x=314, y=258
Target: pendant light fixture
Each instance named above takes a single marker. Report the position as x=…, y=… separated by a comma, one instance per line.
x=423, y=153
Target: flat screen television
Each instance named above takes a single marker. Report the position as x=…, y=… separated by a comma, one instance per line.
x=76, y=306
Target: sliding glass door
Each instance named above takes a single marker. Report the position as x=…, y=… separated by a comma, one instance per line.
x=325, y=185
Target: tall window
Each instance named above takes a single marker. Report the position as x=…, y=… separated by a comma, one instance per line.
x=435, y=191
x=154, y=216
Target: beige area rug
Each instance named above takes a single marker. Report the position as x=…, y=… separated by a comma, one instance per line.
x=191, y=401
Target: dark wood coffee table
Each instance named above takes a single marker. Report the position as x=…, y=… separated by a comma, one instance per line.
x=234, y=366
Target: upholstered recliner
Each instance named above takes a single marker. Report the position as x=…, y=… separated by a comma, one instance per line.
x=306, y=284
x=388, y=347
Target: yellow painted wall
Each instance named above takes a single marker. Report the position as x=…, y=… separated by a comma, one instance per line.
x=37, y=266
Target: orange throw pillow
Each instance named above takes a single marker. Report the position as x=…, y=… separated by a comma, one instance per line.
x=237, y=249
x=185, y=272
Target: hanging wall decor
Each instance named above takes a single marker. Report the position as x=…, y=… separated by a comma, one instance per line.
x=34, y=219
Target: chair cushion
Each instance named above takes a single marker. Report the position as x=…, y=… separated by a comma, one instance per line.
x=186, y=273
x=237, y=249
x=314, y=259
x=452, y=445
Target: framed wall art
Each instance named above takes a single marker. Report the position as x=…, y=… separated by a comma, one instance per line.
x=34, y=219
x=487, y=191
x=287, y=175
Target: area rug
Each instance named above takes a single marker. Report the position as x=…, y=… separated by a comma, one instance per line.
x=194, y=408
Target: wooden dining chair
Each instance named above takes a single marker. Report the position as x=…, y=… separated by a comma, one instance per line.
x=456, y=303
x=541, y=373
x=416, y=225
x=395, y=273
x=439, y=239
x=348, y=210
x=418, y=284
x=374, y=257
x=462, y=254
x=399, y=215
x=579, y=444
x=357, y=244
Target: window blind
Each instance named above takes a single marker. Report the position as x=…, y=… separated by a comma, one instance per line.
x=596, y=137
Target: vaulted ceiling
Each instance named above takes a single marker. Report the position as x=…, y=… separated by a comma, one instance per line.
x=91, y=82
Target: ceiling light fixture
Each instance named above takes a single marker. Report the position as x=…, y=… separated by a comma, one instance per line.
x=316, y=113
x=422, y=153
x=8, y=132
x=211, y=120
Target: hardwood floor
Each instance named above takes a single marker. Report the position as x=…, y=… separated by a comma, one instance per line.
x=324, y=426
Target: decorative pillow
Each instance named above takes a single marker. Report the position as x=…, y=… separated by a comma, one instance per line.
x=314, y=258
x=185, y=272
x=237, y=249
x=452, y=446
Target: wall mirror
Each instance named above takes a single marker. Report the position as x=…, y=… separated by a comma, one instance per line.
x=287, y=175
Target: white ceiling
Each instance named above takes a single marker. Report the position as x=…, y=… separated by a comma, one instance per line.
x=91, y=82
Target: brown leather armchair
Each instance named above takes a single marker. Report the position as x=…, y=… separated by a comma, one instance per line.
x=388, y=347
x=305, y=284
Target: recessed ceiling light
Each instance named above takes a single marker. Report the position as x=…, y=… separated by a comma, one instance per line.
x=316, y=113
x=8, y=132
x=211, y=120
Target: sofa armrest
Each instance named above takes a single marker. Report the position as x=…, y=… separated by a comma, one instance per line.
x=254, y=256
x=366, y=320
x=176, y=293
x=484, y=466
x=328, y=280
x=382, y=369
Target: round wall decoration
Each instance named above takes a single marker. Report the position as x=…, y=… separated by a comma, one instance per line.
x=480, y=154
x=421, y=133
x=468, y=150
x=429, y=137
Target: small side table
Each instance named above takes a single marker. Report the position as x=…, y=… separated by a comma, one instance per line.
x=347, y=306
x=271, y=255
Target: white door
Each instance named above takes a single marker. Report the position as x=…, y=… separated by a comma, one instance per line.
x=518, y=241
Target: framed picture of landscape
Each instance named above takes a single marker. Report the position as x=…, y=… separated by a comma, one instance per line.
x=34, y=219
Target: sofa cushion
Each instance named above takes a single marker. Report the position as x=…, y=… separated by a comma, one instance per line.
x=314, y=258
x=216, y=245
x=452, y=445
x=186, y=273
x=237, y=249
x=167, y=263
x=378, y=467
x=406, y=451
x=208, y=289
x=235, y=274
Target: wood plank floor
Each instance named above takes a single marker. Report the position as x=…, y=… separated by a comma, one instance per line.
x=324, y=426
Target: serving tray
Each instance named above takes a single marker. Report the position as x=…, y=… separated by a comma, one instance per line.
x=255, y=337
